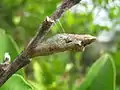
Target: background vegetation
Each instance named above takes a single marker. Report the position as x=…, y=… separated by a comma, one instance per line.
x=92, y=69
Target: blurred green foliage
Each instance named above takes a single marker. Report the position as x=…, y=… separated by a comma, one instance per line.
x=19, y=20
x=8, y=45
x=16, y=82
x=102, y=73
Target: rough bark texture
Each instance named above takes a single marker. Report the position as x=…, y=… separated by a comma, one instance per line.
x=49, y=21
x=61, y=43
x=35, y=45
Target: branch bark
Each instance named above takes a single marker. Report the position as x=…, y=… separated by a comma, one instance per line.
x=35, y=48
x=62, y=42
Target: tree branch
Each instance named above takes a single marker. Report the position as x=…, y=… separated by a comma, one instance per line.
x=34, y=47
x=61, y=43
x=49, y=21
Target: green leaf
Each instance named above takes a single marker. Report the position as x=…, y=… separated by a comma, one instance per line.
x=16, y=82
x=7, y=44
x=70, y=19
x=101, y=75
